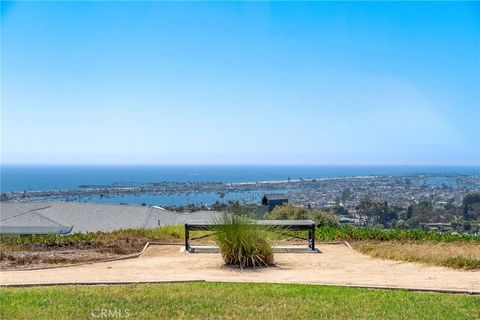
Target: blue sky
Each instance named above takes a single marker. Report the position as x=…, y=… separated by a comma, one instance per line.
x=241, y=83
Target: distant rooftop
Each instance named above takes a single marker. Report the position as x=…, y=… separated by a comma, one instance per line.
x=275, y=196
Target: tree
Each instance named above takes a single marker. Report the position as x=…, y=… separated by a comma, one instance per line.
x=347, y=194
x=471, y=206
x=376, y=212
x=422, y=212
x=339, y=210
x=248, y=210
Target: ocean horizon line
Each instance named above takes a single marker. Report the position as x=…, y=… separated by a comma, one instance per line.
x=240, y=164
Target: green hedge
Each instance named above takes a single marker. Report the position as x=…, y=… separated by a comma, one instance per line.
x=351, y=233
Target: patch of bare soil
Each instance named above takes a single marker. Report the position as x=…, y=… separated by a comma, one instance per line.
x=18, y=260
x=17, y=257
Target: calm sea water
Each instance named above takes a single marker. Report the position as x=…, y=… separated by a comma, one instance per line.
x=182, y=199
x=52, y=177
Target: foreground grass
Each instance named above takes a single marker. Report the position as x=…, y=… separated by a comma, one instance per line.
x=459, y=255
x=232, y=301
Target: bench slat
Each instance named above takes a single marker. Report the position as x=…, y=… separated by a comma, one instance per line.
x=284, y=224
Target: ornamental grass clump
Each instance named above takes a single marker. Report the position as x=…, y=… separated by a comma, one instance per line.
x=243, y=242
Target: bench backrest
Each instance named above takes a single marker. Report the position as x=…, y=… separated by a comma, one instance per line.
x=284, y=224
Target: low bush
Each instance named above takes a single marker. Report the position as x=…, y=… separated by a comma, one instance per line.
x=289, y=212
x=352, y=233
x=324, y=218
x=292, y=212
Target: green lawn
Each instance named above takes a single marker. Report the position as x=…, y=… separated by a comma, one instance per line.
x=231, y=301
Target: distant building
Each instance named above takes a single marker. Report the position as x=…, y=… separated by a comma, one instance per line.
x=346, y=220
x=273, y=200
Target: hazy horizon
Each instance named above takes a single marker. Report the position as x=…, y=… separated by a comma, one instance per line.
x=239, y=165
x=242, y=83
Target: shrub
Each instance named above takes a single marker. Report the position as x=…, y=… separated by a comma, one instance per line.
x=292, y=212
x=352, y=233
x=244, y=243
x=324, y=218
x=289, y=212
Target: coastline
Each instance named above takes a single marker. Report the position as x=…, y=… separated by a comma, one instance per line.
x=316, y=192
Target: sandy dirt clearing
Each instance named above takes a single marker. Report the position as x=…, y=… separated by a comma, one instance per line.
x=336, y=265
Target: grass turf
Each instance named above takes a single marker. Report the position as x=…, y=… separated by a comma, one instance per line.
x=232, y=301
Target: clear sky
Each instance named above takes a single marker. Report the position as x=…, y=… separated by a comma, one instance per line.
x=210, y=82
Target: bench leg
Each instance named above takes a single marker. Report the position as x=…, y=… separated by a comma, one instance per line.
x=311, y=239
x=187, y=239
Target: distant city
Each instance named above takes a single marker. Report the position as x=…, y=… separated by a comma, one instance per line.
x=398, y=190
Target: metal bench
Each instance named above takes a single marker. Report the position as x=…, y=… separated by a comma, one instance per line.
x=295, y=225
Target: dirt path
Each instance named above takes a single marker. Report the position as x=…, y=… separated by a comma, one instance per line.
x=336, y=265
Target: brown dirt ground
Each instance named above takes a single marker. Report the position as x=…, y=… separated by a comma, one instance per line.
x=18, y=260
x=337, y=264
x=14, y=257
